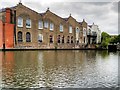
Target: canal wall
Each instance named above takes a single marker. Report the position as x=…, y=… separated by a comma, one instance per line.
x=35, y=49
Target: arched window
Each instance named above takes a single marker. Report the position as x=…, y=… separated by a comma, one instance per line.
x=40, y=38
x=71, y=39
x=28, y=37
x=77, y=42
x=68, y=39
x=51, y=39
x=58, y=39
x=84, y=31
x=20, y=36
x=77, y=30
x=77, y=35
x=20, y=22
x=84, y=39
x=62, y=39
x=28, y=23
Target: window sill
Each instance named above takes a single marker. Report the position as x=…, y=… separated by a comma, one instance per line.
x=28, y=27
x=20, y=26
x=51, y=30
x=40, y=28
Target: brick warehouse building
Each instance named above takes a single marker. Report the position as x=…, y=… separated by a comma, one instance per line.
x=22, y=27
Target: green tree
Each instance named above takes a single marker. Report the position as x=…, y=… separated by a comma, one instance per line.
x=115, y=39
x=105, y=39
x=118, y=38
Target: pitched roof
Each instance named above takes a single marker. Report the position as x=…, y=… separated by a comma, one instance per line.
x=53, y=14
x=42, y=14
x=3, y=9
x=65, y=19
x=80, y=23
x=90, y=26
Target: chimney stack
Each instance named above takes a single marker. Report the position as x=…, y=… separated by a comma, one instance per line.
x=8, y=15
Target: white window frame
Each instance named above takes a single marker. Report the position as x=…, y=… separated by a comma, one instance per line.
x=77, y=30
x=28, y=20
x=84, y=32
x=70, y=29
x=40, y=37
x=40, y=24
x=61, y=28
x=45, y=24
x=20, y=22
x=51, y=26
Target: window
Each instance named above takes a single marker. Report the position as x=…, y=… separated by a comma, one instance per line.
x=77, y=30
x=51, y=26
x=70, y=29
x=84, y=39
x=58, y=38
x=46, y=24
x=77, y=41
x=28, y=37
x=63, y=39
x=72, y=39
x=40, y=38
x=61, y=28
x=28, y=23
x=20, y=36
x=40, y=24
x=68, y=39
x=51, y=39
x=84, y=32
x=20, y=22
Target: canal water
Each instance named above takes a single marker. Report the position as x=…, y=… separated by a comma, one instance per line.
x=60, y=69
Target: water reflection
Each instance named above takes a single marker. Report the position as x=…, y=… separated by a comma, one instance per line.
x=79, y=69
x=1, y=58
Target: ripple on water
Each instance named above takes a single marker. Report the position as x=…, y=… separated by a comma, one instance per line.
x=73, y=72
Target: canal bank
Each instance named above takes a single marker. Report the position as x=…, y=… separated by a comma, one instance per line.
x=37, y=49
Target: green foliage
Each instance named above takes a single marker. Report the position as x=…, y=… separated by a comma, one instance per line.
x=118, y=38
x=115, y=39
x=104, y=44
x=105, y=39
x=105, y=36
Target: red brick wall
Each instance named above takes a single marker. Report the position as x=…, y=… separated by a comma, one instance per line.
x=8, y=15
x=9, y=35
x=1, y=34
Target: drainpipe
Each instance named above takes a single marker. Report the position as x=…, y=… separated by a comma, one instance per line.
x=3, y=36
x=74, y=37
x=15, y=27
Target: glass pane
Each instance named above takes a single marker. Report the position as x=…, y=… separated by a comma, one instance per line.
x=20, y=22
x=28, y=23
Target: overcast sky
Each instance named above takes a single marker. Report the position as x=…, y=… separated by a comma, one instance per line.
x=103, y=13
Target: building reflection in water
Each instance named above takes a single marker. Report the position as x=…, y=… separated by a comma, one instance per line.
x=19, y=69
x=65, y=68
x=1, y=58
x=8, y=68
x=58, y=69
